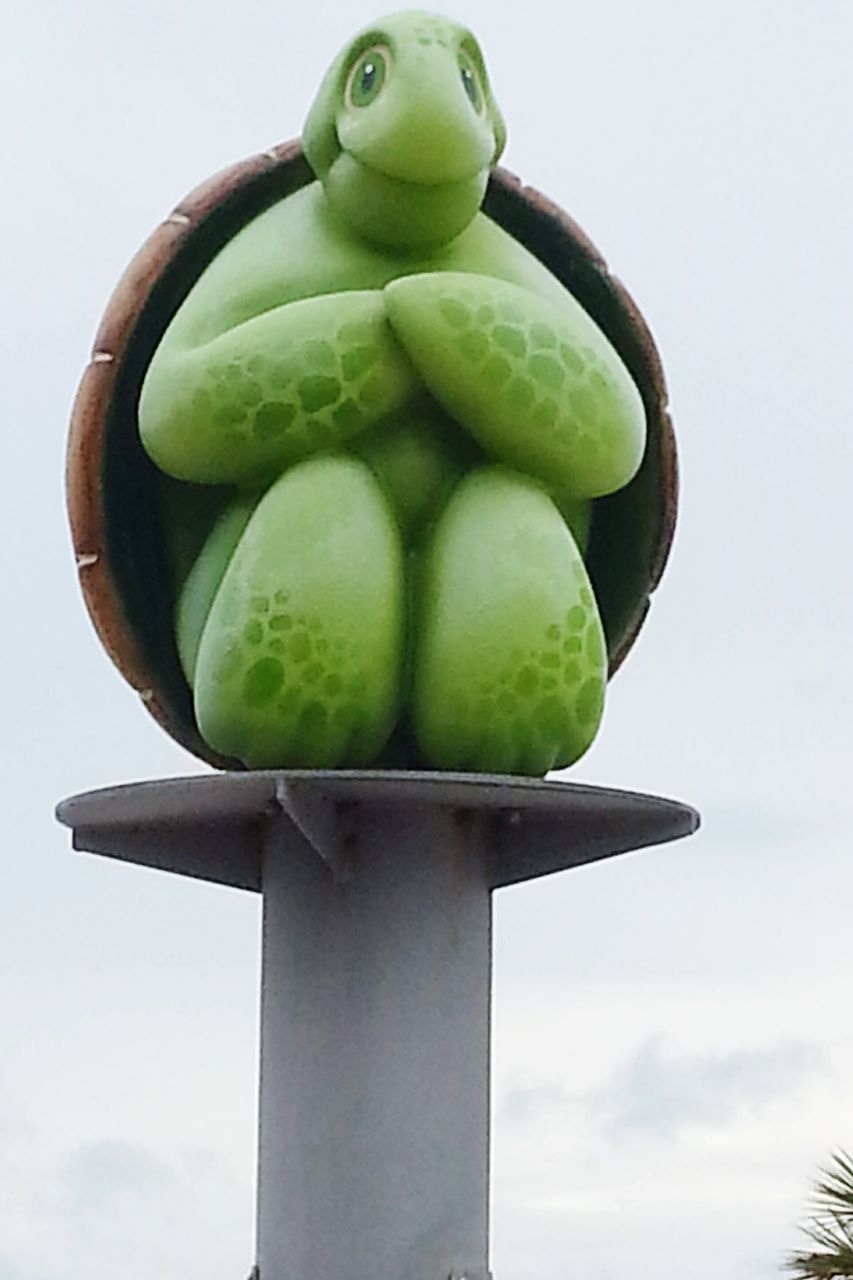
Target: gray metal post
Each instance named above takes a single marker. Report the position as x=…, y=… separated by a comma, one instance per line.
x=374, y=1098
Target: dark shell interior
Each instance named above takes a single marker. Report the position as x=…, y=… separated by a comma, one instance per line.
x=113, y=511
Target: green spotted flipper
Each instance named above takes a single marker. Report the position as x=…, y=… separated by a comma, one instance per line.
x=300, y=657
x=510, y=661
x=540, y=388
x=281, y=387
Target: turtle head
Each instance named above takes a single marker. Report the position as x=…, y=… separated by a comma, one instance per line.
x=404, y=131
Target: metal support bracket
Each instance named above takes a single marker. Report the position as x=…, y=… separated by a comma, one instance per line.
x=325, y=823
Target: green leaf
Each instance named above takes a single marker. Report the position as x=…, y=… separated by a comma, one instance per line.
x=830, y=1227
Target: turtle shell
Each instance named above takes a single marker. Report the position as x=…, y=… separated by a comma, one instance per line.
x=113, y=487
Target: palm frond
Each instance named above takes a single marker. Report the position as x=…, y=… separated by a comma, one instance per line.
x=830, y=1227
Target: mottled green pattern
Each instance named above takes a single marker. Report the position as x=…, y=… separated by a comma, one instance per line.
x=510, y=661
x=539, y=388
x=299, y=663
x=356, y=361
x=276, y=389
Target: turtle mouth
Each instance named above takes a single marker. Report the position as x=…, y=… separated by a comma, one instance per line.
x=372, y=169
x=395, y=211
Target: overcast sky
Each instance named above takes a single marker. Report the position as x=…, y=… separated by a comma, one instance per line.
x=673, y=1040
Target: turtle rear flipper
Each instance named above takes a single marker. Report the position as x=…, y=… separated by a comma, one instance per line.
x=509, y=655
x=199, y=589
x=300, y=660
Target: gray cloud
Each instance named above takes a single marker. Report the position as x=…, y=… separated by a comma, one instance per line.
x=523, y=1105
x=661, y=1094
x=658, y=1093
x=97, y=1173
x=70, y=1212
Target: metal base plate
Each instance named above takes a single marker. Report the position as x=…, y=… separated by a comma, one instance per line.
x=212, y=827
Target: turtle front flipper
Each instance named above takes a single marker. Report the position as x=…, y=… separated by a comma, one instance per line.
x=300, y=658
x=538, y=386
x=289, y=383
x=509, y=661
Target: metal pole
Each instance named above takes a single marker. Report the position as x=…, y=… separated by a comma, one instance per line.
x=374, y=1097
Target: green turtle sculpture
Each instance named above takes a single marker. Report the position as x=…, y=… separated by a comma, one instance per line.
x=383, y=431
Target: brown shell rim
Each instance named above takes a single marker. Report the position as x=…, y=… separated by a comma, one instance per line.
x=89, y=417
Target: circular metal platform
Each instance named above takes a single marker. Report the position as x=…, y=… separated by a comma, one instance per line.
x=212, y=826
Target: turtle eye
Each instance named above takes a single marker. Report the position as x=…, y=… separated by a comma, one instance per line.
x=368, y=76
x=471, y=82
